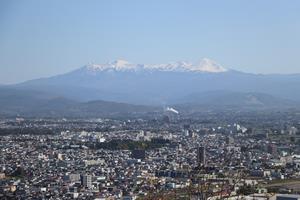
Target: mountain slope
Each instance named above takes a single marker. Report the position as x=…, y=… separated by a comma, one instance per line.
x=236, y=100
x=28, y=103
x=160, y=84
x=36, y=104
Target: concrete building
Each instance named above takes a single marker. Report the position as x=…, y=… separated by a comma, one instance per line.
x=86, y=181
x=201, y=155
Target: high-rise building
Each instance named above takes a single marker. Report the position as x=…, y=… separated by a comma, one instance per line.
x=272, y=149
x=201, y=155
x=86, y=181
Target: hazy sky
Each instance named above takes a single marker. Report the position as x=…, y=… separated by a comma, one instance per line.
x=43, y=38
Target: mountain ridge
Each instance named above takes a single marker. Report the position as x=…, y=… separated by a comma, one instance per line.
x=205, y=65
x=14, y=102
x=36, y=104
x=124, y=82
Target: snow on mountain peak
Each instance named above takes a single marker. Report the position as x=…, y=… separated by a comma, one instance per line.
x=118, y=65
x=121, y=63
x=206, y=65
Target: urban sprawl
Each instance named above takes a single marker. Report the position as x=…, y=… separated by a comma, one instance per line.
x=209, y=156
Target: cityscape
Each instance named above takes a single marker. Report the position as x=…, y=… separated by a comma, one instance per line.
x=170, y=157
x=149, y=100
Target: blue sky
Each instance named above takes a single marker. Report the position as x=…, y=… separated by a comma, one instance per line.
x=44, y=38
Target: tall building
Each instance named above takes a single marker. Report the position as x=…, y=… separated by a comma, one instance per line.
x=201, y=155
x=86, y=181
x=272, y=149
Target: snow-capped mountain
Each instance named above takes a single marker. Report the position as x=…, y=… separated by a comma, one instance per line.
x=205, y=65
x=118, y=65
x=159, y=84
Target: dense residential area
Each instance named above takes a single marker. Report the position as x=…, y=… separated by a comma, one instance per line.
x=208, y=156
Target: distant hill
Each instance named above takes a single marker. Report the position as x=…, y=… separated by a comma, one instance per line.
x=219, y=100
x=28, y=103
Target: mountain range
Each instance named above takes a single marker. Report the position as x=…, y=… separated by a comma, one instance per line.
x=99, y=86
